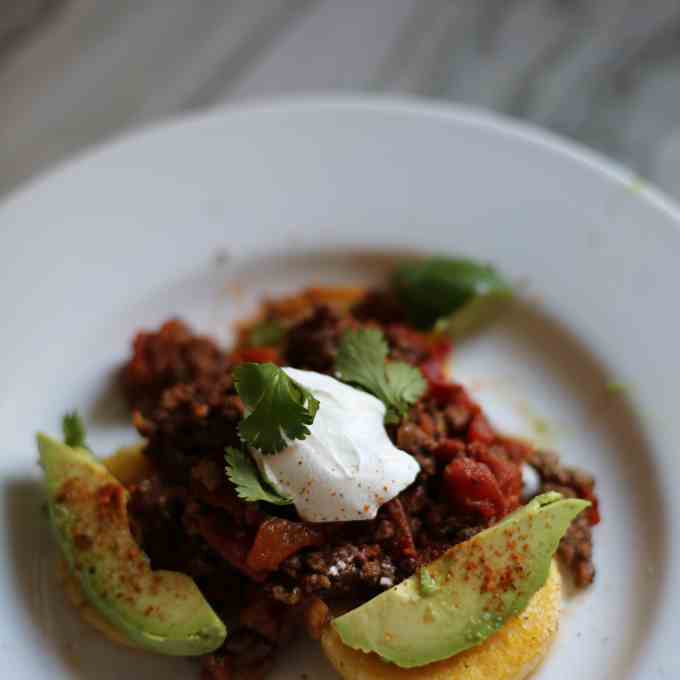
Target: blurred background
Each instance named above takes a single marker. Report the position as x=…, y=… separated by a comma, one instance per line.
x=603, y=72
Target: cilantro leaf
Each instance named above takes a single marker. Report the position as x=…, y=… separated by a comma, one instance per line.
x=362, y=361
x=242, y=471
x=266, y=333
x=73, y=429
x=406, y=381
x=279, y=408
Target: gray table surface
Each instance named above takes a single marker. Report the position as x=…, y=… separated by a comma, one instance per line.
x=76, y=72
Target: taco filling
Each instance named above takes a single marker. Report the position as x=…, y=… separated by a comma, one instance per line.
x=327, y=458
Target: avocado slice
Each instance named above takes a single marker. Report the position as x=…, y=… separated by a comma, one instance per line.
x=460, y=599
x=160, y=611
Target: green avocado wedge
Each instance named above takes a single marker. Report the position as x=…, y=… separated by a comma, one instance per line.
x=160, y=611
x=468, y=593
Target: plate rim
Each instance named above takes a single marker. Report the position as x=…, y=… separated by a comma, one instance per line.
x=380, y=104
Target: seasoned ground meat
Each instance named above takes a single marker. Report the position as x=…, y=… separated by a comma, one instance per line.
x=171, y=355
x=312, y=343
x=278, y=572
x=576, y=547
x=345, y=569
x=379, y=306
x=189, y=421
x=407, y=344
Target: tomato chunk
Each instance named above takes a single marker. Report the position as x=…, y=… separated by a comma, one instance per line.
x=472, y=487
x=479, y=430
x=434, y=367
x=278, y=539
x=229, y=544
x=507, y=474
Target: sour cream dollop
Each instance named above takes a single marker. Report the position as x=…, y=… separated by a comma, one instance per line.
x=347, y=467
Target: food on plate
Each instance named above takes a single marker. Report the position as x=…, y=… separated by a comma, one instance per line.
x=160, y=611
x=324, y=474
x=512, y=653
x=468, y=593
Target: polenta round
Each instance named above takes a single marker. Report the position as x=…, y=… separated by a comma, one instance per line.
x=512, y=653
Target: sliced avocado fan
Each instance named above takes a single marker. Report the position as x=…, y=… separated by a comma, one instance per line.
x=460, y=599
x=160, y=611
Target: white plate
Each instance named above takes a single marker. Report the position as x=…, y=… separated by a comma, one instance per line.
x=280, y=195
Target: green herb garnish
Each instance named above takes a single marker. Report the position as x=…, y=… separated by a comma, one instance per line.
x=279, y=409
x=428, y=586
x=456, y=294
x=266, y=333
x=362, y=361
x=616, y=388
x=243, y=472
x=73, y=429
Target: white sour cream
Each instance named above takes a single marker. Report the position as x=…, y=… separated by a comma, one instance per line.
x=347, y=467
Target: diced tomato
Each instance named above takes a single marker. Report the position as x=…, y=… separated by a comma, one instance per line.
x=278, y=539
x=507, y=474
x=434, y=367
x=443, y=392
x=257, y=355
x=593, y=512
x=479, y=430
x=231, y=545
x=450, y=394
x=449, y=449
x=518, y=451
x=472, y=487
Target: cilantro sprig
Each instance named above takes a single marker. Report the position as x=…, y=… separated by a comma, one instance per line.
x=243, y=472
x=279, y=409
x=73, y=429
x=362, y=361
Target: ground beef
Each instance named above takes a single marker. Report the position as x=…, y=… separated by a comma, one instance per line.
x=346, y=569
x=379, y=306
x=312, y=343
x=576, y=547
x=407, y=344
x=190, y=421
x=171, y=355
